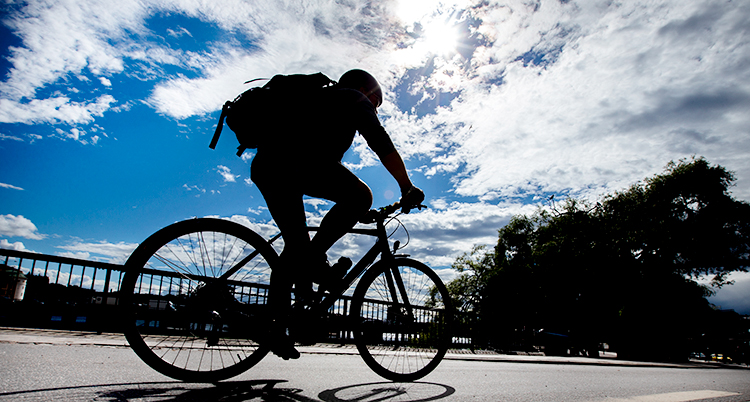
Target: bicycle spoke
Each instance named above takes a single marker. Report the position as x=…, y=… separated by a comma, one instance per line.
x=193, y=322
x=403, y=333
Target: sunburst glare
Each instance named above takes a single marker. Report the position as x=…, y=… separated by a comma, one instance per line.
x=439, y=37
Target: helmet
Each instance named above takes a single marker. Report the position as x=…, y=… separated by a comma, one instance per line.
x=356, y=79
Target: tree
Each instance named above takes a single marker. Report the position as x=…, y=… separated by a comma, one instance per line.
x=476, y=269
x=667, y=233
x=623, y=270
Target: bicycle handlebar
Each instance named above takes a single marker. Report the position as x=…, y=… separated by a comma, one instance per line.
x=382, y=213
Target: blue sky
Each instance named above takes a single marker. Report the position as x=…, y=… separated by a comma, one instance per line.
x=107, y=109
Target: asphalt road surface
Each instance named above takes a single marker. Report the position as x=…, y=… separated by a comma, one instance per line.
x=59, y=366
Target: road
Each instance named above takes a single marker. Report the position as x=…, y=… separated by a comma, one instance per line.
x=56, y=366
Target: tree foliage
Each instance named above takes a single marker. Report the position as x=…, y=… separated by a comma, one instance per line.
x=623, y=270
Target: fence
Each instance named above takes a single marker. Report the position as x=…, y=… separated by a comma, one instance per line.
x=66, y=292
x=71, y=293
x=62, y=292
x=84, y=274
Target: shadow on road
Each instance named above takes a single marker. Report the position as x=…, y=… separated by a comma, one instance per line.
x=388, y=391
x=238, y=391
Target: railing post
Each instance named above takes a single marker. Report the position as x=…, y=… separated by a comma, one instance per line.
x=105, y=291
x=93, y=280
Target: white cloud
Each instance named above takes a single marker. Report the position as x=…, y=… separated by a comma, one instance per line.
x=331, y=38
x=115, y=253
x=446, y=230
x=53, y=110
x=316, y=202
x=197, y=189
x=180, y=31
x=18, y=246
x=226, y=174
x=18, y=226
x=437, y=235
x=10, y=186
x=81, y=255
x=578, y=98
x=10, y=137
x=257, y=211
x=62, y=37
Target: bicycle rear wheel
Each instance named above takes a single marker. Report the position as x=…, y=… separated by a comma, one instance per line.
x=186, y=314
x=403, y=319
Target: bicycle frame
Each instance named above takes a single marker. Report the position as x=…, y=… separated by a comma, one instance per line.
x=381, y=247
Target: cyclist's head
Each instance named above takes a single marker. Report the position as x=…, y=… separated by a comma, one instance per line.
x=364, y=82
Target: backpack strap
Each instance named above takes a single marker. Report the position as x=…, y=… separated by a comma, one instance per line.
x=215, y=138
x=219, y=126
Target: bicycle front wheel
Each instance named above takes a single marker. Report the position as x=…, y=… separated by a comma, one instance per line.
x=195, y=299
x=403, y=319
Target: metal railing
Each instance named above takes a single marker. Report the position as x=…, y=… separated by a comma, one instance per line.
x=102, y=281
x=97, y=276
x=95, y=284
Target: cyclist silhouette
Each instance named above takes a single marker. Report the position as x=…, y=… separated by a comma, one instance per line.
x=304, y=158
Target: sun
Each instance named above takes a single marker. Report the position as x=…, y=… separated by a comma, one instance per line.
x=432, y=30
x=438, y=37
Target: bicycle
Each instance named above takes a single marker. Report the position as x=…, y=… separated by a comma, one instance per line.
x=195, y=294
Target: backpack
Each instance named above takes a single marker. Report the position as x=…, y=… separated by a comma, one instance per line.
x=253, y=113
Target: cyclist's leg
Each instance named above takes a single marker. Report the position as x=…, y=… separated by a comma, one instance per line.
x=352, y=198
x=280, y=187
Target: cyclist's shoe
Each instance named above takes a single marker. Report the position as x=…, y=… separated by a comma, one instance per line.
x=284, y=348
x=282, y=345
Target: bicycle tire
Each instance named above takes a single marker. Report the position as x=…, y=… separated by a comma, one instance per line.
x=393, y=344
x=194, y=325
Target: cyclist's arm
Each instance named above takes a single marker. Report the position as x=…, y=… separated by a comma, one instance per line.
x=395, y=166
x=380, y=142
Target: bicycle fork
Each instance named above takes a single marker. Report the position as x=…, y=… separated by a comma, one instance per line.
x=395, y=282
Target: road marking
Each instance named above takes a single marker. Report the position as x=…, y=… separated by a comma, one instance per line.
x=676, y=396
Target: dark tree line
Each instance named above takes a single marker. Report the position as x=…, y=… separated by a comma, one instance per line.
x=623, y=271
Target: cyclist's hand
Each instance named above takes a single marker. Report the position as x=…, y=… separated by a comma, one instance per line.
x=411, y=199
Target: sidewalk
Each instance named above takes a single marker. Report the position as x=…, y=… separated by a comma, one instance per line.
x=34, y=336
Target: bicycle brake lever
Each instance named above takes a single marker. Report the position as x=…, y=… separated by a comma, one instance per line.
x=419, y=207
